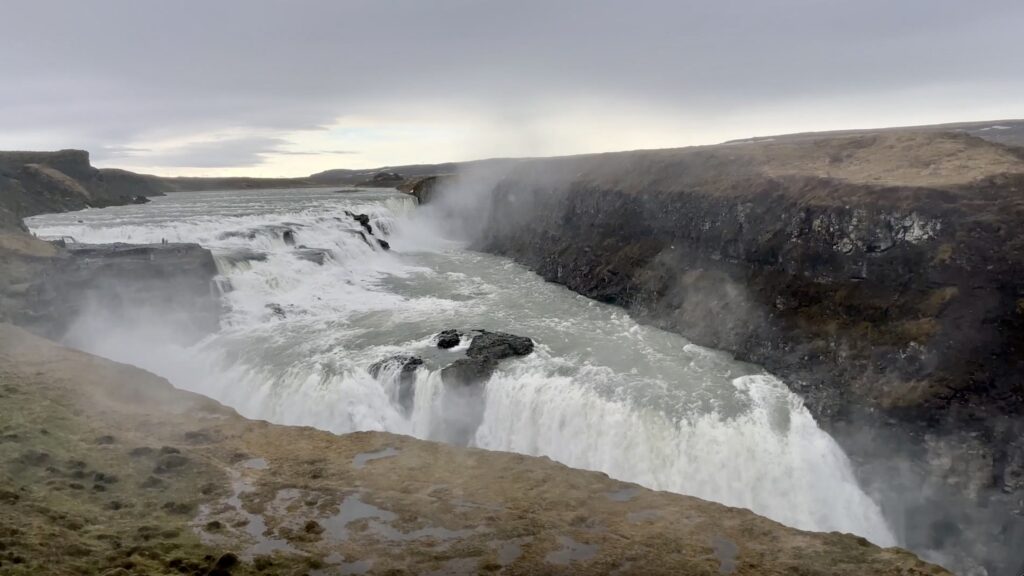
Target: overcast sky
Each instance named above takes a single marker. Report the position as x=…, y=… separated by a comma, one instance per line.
x=292, y=87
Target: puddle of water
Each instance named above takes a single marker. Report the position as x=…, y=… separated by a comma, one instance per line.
x=253, y=525
x=624, y=495
x=572, y=551
x=256, y=464
x=511, y=550
x=725, y=552
x=353, y=508
x=361, y=460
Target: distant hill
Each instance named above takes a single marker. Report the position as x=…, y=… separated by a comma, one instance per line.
x=1009, y=132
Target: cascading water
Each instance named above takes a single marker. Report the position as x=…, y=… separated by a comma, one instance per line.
x=600, y=391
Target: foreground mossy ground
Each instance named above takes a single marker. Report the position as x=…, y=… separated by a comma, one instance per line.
x=107, y=469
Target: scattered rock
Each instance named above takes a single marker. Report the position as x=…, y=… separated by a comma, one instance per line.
x=276, y=310
x=141, y=451
x=153, y=482
x=105, y=440
x=34, y=457
x=449, y=339
x=169, y=462
x=228, y=560
x=289, y=237
x=384, y=244
x=177, y=507
x=169, y=450
x=214, y=526
x=313, y=527
x=104, y=478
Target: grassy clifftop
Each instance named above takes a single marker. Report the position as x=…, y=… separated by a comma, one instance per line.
x=107, y=469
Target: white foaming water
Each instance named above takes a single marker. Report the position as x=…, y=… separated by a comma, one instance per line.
x=600, y=391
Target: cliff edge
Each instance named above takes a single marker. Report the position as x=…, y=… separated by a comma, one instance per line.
x=107, y=469
x=881, y=275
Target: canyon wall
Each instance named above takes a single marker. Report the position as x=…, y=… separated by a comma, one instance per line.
x=47, y=286
x=882, y=276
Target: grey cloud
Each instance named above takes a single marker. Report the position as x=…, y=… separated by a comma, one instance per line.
x=229, y=152
x=108, y=72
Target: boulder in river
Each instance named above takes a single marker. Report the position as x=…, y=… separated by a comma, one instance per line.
x=485, y=351
x=448, y=339
x=498, y=346
x=363, y=220
x=405, y=366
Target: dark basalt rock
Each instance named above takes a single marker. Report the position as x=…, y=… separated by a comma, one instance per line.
x=384, y=244
x=498, y=346
x=485, y=351
x=406, y=366
x=468, y=371
x=362, y=219
x=289, y=237
x=896, y=312
x=448, y=339
x=277, y=310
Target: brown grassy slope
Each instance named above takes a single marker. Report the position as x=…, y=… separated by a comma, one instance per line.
x=107, y=469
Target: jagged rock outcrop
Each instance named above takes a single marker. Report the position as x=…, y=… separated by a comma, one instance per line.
x=486, y=350
x=881, y=275
x=131, y=475
x=39, y=182
x=46, y=288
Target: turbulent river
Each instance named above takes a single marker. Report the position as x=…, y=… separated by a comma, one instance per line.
x=600, y=392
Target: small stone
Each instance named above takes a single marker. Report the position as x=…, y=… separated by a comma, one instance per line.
x=141, y=451
x=170, y=462
x=169, y=450
x=105, y=440
x=448, y=339
x=34, y=458
x=152, y=482
x=228, y=560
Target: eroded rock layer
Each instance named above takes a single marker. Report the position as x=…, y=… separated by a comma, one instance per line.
x=881, y=275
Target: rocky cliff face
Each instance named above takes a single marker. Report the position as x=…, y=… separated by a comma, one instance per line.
x=47, y=287
x=38, y=182
x=882, y=276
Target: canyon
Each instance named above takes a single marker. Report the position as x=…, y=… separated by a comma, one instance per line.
x=878, y=273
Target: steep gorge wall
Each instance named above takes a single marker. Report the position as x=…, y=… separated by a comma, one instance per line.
x=896, y=309
x=46, y=287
